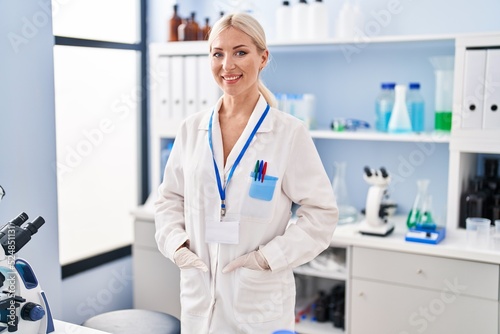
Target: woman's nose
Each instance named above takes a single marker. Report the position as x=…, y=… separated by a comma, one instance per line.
x=227, y=64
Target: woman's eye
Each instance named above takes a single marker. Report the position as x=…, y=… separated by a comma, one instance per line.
x=217, y=55
x=241, y=53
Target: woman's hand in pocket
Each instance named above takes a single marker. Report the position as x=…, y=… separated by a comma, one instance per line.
x=184, y=259
x=253, y=260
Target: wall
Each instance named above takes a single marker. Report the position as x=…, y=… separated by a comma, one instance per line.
x=27, y=133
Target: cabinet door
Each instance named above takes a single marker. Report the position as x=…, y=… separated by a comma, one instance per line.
x=388, y=308
x=156, y=282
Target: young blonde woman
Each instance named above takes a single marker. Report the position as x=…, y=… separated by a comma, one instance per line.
x=225, y=204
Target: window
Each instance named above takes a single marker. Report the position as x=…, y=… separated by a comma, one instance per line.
x=100, y=88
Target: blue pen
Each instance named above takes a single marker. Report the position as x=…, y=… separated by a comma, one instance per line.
x=260, y=168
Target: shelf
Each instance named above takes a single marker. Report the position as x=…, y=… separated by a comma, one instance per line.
x=308, y=327
x=308, y=271
x=201, y=47
x=380, y=136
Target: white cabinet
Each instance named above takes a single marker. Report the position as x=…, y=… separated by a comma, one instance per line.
x=156, y=278
x=396, y=292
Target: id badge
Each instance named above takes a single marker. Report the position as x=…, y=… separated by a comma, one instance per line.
x=222, y=232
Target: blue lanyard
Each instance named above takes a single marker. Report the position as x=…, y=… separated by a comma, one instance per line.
x=222, y=190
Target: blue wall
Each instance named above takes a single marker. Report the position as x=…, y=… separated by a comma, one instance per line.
x=27, y=133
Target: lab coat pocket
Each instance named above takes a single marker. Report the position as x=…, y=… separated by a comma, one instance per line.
x=258, y=203
x=259, y=296
x=263, y=190
x=195, y=294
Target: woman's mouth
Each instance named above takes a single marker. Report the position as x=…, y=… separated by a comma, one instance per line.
x=231, y=78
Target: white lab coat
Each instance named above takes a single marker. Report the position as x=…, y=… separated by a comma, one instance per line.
x=244, y=301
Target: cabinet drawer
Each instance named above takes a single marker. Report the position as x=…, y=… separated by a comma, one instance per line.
x=387, y=308
x=459, y=276
x=144, y=234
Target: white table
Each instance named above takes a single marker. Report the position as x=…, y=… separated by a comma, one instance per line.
x=68, y=328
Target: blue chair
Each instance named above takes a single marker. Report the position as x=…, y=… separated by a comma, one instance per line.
x=134, y=321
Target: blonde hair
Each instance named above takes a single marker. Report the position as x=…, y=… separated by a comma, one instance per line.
x=250, y=26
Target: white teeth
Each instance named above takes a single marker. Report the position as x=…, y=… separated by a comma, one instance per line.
x=231, y=78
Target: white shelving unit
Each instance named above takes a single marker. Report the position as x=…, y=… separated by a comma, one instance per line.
x=464, y=144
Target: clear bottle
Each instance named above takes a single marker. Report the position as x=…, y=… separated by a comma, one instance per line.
x=416, y=211
x=416, y=107
x=300, y=20
x=384, y=105
x=284, y=21
x=174, y=23
x=400, y=120
x=347, y=212
x=318, y=20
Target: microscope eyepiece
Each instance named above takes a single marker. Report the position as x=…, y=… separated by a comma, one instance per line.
x=20, y=219
x=35, y=225
x=368, y=171
x=384, y=172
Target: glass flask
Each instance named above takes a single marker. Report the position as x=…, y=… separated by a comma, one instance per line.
x=415, y=214
x=347, y=212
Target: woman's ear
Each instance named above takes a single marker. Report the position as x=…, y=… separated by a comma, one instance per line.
x=265, y=57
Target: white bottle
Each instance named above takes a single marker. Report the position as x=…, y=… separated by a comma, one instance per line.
x=300, y=20
x=345, y=21
x=318, y=20
x=284, y=21
x=400, y=119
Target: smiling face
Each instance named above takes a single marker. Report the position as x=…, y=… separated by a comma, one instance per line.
x=236, y=62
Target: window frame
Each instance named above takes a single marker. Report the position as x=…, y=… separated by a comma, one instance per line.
x=143, y=182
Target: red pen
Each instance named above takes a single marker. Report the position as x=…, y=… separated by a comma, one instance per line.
x=264, y=171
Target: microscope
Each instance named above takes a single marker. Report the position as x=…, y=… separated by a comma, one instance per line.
x=376, y=220
x=23, y=304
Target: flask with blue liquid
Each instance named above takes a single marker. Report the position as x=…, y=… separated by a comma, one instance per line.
x=416, y=107
x=384, y=105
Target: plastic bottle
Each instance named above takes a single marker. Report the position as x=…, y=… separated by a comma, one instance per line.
x=300, y=20
x=174, y=23
x=318, y=20
x=284, y=21
x=416, y=107
x=400, y=120
x=349, y=20
x=384, y=105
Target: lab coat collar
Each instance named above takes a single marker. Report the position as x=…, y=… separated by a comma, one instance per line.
x=266, y=126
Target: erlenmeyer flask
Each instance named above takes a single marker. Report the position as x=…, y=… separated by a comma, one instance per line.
x=416, y=211
x=347, y=212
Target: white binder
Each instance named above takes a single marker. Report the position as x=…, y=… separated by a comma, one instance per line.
x=191, y=84
x=473, y=93
x=209, y=92
x=177, y=87
x=162, y=78
x=491, y=111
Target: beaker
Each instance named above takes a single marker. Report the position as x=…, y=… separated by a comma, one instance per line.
x=415, y=214
x=443, y=103
x=347, y=212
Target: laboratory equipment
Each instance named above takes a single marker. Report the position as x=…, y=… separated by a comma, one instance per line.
x=416, y=107
x=300, y=20
x=318, y=20
x=284, y=21
x=416, y=211
x=376, y=220
x=347, y=212
x=383, y=106
x=478, y=232
x=174, y=23
x=443, y=69
x=23, y=304
x=350, y=21
x=426, y=229
x=400, y=119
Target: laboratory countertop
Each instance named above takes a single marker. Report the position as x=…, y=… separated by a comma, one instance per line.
x=453, y=246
